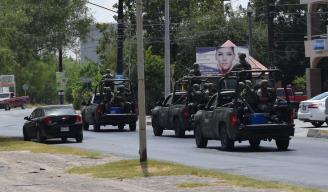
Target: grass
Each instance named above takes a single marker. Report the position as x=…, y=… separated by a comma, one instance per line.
x=196, y=185
x=133, y=168
x=12, y=144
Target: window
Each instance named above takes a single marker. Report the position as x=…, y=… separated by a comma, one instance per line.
x=59, y=110
x=321, y=96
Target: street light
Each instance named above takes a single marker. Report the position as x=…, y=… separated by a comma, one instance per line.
x=249, y=14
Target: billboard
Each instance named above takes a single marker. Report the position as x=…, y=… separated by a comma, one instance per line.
x=7, y=80
x=218, y=60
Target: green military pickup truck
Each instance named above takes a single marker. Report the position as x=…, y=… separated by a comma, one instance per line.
x=174, y=113
x=228, y=117
x=112, y=103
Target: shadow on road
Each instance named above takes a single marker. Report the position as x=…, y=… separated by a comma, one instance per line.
x=248, y=149
x=173, y=136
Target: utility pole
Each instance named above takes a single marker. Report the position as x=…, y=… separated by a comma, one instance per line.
x=249, y=14
x=60, y=69
x=120, y=38
x=270, y=16
x=141, y=85
x=167, y=68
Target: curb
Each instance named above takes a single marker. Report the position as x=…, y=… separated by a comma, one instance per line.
x=317, y=133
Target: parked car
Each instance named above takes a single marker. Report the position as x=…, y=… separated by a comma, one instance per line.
x=314, y=110
x=53, y=121
x=9, y=100
x=296, y=97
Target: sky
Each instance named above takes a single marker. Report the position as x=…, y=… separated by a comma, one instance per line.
x=105, y=16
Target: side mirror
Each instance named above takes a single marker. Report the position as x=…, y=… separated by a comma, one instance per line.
x=27, y=118
x=211, y=108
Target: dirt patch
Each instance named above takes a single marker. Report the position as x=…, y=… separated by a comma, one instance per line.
x=24, y=171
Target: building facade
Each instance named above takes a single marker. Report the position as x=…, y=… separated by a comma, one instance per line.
x=316, y=47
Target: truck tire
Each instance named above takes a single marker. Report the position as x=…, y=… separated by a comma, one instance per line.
x=7, y=107
x=85, y=125
x=201, y=142
x=282, y=144
x=254, y=143
x=64, y=139
x=227, y=144
x=25, y=134
x=178, y=130
x=121, y=127
x=133, y=126
x=317, y=123
x=157, y=129
x=96, y=127
x=22, y=107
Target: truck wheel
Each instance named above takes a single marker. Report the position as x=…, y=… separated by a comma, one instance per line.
x=133, y=126
x=157, y=129
x=201, y=142
x=96, y=127
x=85, y=125
x=282, y=144
x=178, y=131
x=254, y=143
x=26, y=137
x=317, y=123
x=121, y=127
x=23, y=107
x=79, y=137
x=226, y=143
x=7, y=107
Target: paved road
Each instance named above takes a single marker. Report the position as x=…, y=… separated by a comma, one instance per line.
x=305, y=163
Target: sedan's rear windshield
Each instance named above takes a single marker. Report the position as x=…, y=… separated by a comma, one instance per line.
x=59, y=111
x=321, y=96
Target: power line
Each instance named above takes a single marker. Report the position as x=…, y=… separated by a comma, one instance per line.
x=101, y=7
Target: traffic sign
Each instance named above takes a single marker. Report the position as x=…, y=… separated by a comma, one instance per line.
x=25, y=87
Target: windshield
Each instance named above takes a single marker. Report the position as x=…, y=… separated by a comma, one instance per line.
x=59, y=110
x=4, y=95
x=321, y=96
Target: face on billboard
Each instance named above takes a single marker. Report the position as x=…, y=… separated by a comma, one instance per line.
x=225, y=57
x=218, y=60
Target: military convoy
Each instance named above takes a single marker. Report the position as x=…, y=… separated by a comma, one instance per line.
x=234, y=110
x=112, y=103
x=238, y=106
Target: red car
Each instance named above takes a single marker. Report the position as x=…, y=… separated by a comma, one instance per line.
x=8, y=101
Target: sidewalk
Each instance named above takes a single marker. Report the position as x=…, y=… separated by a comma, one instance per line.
x=31, y=172
x=318, y=133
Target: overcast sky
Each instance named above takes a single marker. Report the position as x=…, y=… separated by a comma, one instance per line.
x=105, y=16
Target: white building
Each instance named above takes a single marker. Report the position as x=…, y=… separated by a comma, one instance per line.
x=88, y=47
x=316, y=46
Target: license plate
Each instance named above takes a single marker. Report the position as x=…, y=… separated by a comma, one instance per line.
x=64, y=129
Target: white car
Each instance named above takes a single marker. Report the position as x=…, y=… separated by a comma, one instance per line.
x=314, y=110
